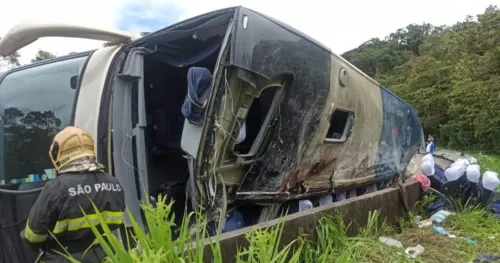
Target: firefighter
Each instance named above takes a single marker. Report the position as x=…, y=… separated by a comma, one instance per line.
x=57, y=212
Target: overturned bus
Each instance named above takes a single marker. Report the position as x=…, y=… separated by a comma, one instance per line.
x=228, y=111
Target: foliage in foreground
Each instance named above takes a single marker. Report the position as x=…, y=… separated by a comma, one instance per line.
x=333, y=244
x=166, y=242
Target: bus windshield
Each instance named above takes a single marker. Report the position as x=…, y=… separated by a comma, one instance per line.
x=36, y=102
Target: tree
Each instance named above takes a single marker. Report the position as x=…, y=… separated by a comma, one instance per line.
x=9, y=62
x=449, y=74
x=28, y=136
x=42, y=55
x=412, y=36
x=377, y=57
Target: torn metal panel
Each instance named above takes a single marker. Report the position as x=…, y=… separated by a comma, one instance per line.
x=349, y=163
x=262, y=196
x=296, y=158
x=270, y=50
x=385, y=136
x=273, y=197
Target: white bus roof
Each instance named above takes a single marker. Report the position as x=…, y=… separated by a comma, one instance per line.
x=26, y=33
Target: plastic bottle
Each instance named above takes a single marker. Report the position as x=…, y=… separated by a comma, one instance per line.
x=390, y=241
x=440, y=216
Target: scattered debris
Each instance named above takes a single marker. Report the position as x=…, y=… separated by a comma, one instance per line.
x=424, y=223
x=440, y=216
x=495, y=207
x=425, y=183
x=443, y=232
x=414, y=252
x=397, y=227
x=472, y=241
x=487, y=258
x=457, y=186
x=436, y=206
x=390, y=242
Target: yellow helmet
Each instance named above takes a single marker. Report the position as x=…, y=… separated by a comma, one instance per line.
x=70, y=144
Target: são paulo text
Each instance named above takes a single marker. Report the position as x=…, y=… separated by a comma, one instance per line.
x=87, y=189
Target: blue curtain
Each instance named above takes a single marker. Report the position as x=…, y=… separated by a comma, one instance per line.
x=199, y=83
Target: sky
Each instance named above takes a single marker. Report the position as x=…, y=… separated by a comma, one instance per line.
x=340, y=25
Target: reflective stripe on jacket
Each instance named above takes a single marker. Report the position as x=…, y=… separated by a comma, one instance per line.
x=58, y=210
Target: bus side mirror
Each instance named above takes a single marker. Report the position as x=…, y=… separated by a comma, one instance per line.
x=73, y=82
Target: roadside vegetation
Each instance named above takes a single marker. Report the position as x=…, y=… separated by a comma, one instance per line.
x=469, y=222
x=488, y=162
x=166, y=242
x=334, y=245
x=473, y=223
x=449, y=74
x=163, y=244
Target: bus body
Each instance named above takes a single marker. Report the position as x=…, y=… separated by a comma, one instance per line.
x=236, y=109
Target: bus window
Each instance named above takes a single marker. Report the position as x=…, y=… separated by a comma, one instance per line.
x=35, y=103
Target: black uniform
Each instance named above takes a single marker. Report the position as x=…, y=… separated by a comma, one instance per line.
x=58, y=209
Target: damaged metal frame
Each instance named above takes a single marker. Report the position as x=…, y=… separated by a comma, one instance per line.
x=291, y=157
x=123, y=131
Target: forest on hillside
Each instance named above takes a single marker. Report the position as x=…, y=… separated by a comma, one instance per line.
x=449, y=74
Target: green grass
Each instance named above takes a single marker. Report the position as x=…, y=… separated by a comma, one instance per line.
x=488, y=162
x=264, y=247
x=332, y=243
x=160, y=246
x=473, y=223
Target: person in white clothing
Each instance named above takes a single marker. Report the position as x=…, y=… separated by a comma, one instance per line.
x=431, y=148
